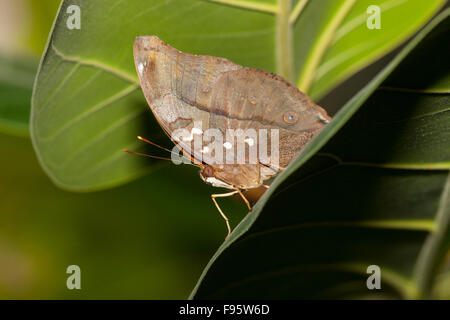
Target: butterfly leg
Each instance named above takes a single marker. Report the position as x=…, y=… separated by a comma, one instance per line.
x=245, y=199
x=213, y=197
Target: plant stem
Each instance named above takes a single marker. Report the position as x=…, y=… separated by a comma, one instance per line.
x=284, y=40
x=307, y=75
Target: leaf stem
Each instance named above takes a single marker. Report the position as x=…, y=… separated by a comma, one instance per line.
x=284, y=40
x=307, y=75
x=296, y=11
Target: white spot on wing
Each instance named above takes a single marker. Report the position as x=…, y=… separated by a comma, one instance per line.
x=227, y=145
x=140, y=68
x=205, y=150
x=249, y=141
x=196, y=131
x=217, y=183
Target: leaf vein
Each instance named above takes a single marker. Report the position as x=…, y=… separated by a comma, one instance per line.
x=101, y=135
x=324, y=40
x=91, y=111
x=119, y=73
x=249, y=5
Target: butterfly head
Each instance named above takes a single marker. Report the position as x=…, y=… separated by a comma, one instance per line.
x=207, y=172
x=209, y=175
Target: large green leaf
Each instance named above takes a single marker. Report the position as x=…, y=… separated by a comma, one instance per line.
x=377, y=193
x=87, y=104
x=16, y=83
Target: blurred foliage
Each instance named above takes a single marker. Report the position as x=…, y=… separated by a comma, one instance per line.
x=16, y=83
x=19, y=59
x=42, y=17
x=144, y=240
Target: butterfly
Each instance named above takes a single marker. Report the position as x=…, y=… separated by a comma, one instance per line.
x=196, y=94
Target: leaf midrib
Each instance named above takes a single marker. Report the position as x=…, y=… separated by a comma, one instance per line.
x=96, y=64
x=387, y=165
x=306, y=76
x=427, y=225
x=404, y=285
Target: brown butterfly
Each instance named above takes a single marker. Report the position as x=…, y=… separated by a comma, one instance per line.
x=196, y=93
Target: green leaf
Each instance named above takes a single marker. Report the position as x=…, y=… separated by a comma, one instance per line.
x=377, y=193
x=87, y=104
x=16, y=83
x=344, y=44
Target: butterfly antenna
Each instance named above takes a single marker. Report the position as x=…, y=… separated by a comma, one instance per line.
x=196, y=163
x=155, y=157
x=146, y=155
x=154, y=144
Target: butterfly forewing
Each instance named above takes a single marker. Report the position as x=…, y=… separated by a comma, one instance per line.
x=178, y=86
